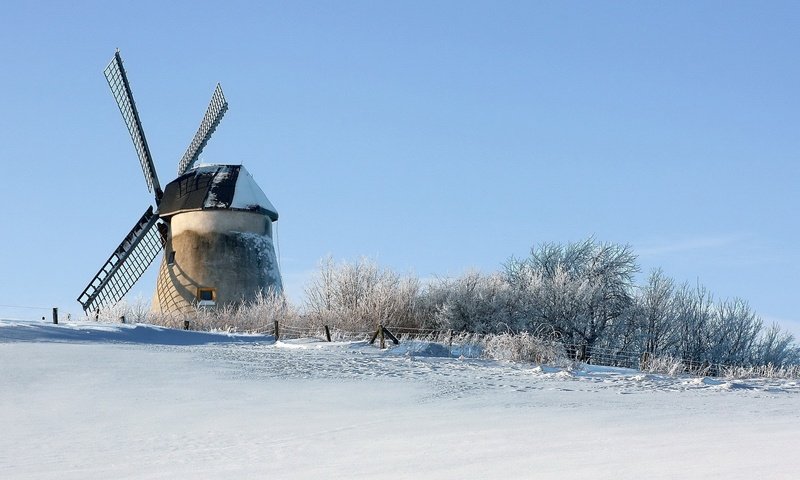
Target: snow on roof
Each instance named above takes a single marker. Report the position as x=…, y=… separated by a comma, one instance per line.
x=248, y=195
x=215, y=187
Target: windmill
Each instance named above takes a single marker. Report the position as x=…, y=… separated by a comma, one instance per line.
x=213, y=222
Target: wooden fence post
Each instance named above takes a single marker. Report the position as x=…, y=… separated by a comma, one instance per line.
x=390, y=335
x=277, y=331
x=450, y=344
x=327, y=333
x=383, y=332
x=55, y=315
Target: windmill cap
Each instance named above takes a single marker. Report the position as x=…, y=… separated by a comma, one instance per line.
x=215, y=187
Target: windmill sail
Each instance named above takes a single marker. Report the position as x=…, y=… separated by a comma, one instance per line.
x=118, y=81
x=125, y=266
x=216, y=110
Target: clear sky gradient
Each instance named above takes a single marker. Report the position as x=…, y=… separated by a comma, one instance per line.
x=435, y=137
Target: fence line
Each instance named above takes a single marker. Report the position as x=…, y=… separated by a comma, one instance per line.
x=471, y=345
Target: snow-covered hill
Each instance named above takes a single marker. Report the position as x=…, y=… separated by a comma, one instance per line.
x=121, y=401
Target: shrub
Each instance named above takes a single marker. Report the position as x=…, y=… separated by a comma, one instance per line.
x=523, y=347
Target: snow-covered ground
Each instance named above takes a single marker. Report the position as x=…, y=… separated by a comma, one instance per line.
x=102, y=401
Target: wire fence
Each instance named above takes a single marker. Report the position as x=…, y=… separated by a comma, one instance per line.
x=543, y=345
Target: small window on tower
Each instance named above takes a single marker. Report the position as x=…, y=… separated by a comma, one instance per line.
x=171, y=258
x=206, y=296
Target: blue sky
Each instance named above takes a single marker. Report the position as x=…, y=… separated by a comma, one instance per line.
x=433, y=136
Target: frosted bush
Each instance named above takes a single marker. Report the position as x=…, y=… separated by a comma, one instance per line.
x=523, y=347
x=258, y=316
x=663, y=364
x=136, y=310
x=761, y=371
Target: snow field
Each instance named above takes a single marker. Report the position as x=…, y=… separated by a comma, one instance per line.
x=156, y=403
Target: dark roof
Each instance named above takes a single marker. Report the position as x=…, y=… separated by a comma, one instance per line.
x=209, y=187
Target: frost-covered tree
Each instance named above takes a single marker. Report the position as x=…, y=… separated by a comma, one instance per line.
x=733, y=333
x=320, y=292
x=656, y=314
x=726, y=332
x=579, y=288
x=694, y=311
x=775, y=347
x=359, y=295
x=472, y=302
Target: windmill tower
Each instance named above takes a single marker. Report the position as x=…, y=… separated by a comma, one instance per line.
x=213, y=222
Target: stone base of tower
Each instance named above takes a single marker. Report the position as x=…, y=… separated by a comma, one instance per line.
x=216, y=258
